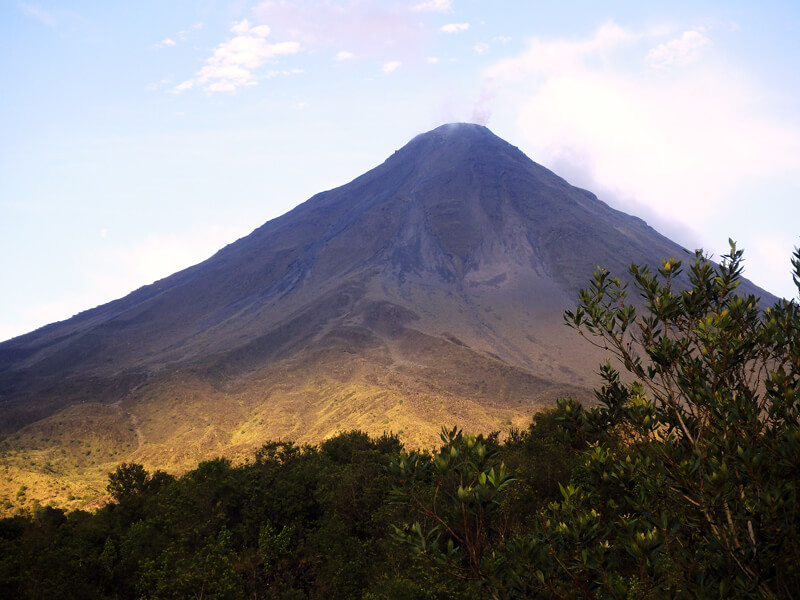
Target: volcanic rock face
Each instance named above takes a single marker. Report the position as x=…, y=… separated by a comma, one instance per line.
x=438, y=278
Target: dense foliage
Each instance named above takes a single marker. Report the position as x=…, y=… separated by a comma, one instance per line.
x=682, y=482
x=294, y=522
x=690, y=470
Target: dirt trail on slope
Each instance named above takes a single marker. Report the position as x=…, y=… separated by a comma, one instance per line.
x=137, y=430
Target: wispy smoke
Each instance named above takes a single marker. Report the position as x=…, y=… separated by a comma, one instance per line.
x=482, y=110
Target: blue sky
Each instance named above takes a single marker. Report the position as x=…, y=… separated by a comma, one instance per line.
x=140, y=137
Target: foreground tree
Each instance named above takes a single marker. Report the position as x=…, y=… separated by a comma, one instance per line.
x=703, y=491
x=689, y=485
x=696, y=493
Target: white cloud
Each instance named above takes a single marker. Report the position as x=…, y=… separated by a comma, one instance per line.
x=167, y=42
x=454, y=27
x=547, y=58
x=344, y=55
x=433, y=6
x=391, y=67
x=682, y=141
x=481, y=47
x=233, y=63
x=678, y=52
x=433, y=59
x=181, y=87
x=283, y=72
x=241, y=27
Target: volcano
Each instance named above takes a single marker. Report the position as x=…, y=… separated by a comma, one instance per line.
x=428, y=291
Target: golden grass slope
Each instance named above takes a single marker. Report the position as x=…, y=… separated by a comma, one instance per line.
x=179, y=419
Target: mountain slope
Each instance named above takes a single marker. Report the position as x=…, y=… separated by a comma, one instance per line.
x=425, y=292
